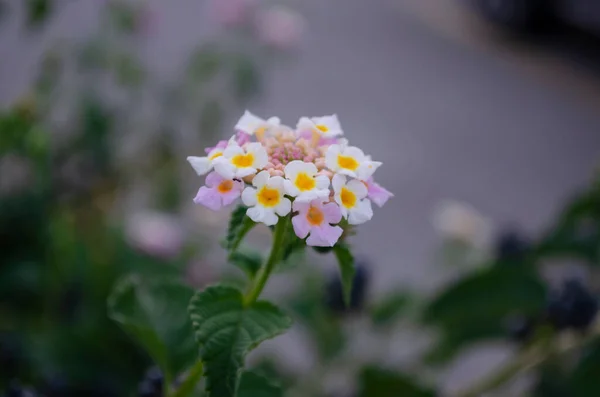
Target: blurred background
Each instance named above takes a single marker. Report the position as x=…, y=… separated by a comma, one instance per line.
x=486, y=114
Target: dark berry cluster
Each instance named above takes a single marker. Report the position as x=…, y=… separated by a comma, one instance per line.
x=152, y=384
x=519, y=327
x=334, y=295
x=572, y=306
x=511, y=246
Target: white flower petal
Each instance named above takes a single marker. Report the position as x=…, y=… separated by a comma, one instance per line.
x=244, y=172
x=358, y=188
x=257, y=214
x=331, y=157
x=290, y=189
x=367, y=168
x=269, y=218
x=294, y=167
x=200, y=164
x=305, y=124
x=331, y=122
x=261, y=179
x=277, y=183
x=224, y=167
x=284, y=207
x=249, y=196
x=361, y=213
x=343, y=209
x=261, y=157
x=232, y=150
x=338, y=182
x=306, y=197
x=355, y=153
x=323, y=182
x=312, y=195
x=349, y=173
x=274, y=121
x=249, y=123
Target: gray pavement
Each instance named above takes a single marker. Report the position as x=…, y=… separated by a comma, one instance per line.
x=448, y=119
x=450, y=111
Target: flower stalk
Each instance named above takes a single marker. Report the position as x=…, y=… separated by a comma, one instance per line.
x=265, y=271
x=188, y=386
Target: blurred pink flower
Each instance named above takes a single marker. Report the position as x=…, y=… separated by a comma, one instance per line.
x=231, y=13
x=280, y=27
x=155, y=234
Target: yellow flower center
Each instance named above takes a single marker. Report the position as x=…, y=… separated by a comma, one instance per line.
x=322, y=128
x=348, y=197
x=315, y=216
x=305, y=182
x=243, y=160
x=225, y=186
x=215, y=155
x=347, y=162
x=268, y=197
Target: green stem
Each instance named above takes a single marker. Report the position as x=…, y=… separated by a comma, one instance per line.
x=188, y=386
x=527, y=360
x=265, y=271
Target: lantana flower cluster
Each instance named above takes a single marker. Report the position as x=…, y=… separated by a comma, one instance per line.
x=310, y=171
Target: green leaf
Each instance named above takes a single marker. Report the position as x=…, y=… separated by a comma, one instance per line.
x=388, y=310
x=378, y=382
x=248, y=261
x=476, y=307
x=347, y=269
x=253, y=385
x=128, y=70
x=204, y=64
x=38, y=11
x=239, y=226
x=211, y=117
x=246, y=78
x=577, y=232
x=154, y=313
x=551, y=381
x=585, y=379
x=293, y=244
x=226, y=331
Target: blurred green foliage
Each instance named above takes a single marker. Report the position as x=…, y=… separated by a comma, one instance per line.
x=63, y=233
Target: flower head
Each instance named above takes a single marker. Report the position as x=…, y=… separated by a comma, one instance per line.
x=312, y=169
x=314, y=220
x=350, y=161
x=218, y=192
x=303, y=182
x=238, y=161
x=266, y=199
x=351, y=196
